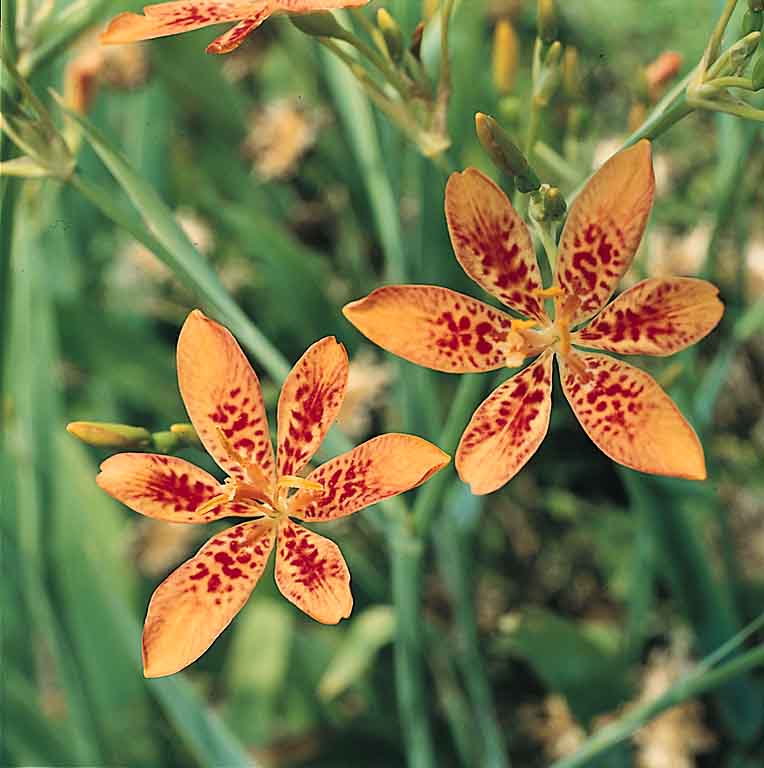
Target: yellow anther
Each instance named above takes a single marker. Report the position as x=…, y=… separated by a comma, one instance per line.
x=522, y=325
x=549, y=293
x=292, y=481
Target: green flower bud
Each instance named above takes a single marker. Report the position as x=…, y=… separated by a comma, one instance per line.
x=106, y=435
x=547, y=204
x=186, y=434
x=504, y=153
x=319, y=24
x=391, y=31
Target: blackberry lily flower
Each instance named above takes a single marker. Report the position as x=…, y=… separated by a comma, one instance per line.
x=195, y=603
x=622, y=409
x=162, y=19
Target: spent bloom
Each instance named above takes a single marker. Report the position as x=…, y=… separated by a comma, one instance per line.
x=622, y=409
x=162, y=19
x=195, y=603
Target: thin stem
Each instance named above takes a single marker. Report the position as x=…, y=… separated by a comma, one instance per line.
x=740, y=110
x=694, y=684
x=440, y=111
x=728, y=81
x=715, y=41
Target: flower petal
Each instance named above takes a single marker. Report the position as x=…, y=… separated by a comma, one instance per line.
x=631, y=419
x=492, y=243
x=223, y=399
x=604, y=227
x=312, y=574
x=236, y=35
x=195, y=603
x=655, y=317
x=309, y=403
x=164, y=487
x=172, y=18
x=506, y=429
x=377, y=469
x=432, y=326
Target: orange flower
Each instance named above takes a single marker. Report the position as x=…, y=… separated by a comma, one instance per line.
x=162, y=19
x=621, y=408
x=195, y=603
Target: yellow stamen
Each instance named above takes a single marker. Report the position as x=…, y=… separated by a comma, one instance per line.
x=292, y=481
x=215, y=501
x=522, y=325
x=549, y=293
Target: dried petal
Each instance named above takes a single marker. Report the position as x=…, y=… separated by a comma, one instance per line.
x=309, y=403
x=195, y=603
x=377, y=469
x=655, y=317
x=432, y=326
x=223, y=399
x=492, y=243
x=630, y=418
x=506, y=429
x=312, y=574
x=604, y=228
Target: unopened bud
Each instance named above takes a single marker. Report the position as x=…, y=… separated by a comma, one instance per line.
x=550, y=77
x=547, y=20
x=105, y=435
x=505, y=48
x=391, y=32
x=186, y=434
x=165, y=442
x=504, y=153
x=319, y=24
x=571, y=73
x=547, y=204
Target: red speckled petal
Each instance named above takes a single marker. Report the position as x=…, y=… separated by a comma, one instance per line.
x=377, y=469
x=222, y=395
x=604, y=227
x=173, y=18
x=235, y=36
x=195, y=603
x=312, y=574
x=655, y=317
x=506, y=429
x=309, y=403
x=164, y=487
x=432, y=326
x=492, y=243
x=631, y=419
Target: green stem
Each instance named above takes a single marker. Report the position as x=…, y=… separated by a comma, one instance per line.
x=715, y=41
x=406, y=553
x=470, y=389
x=695, y=684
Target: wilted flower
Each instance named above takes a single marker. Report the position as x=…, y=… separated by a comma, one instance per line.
x=222, y=394
x=622, y=409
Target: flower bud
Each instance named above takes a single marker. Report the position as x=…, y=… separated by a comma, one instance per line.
x=504, y=153
x=547, y=204
x=547, y=20
x=105, y=435
x=571, y=73
x=186, y=434
x=391, y=31
x=504, y=56
x=319, y=24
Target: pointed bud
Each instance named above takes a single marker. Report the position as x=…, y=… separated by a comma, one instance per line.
x=319, y=24
x=504, y=153
x=186, y=434
x=505, y=47
x=106, y=435
x=571, y=73
x=547, y=20
x=547, y=204
x=391, y=31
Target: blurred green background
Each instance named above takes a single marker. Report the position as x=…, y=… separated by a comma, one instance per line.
x=547, y=607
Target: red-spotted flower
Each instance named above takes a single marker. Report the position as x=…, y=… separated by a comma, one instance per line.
x=162, y=19
x=621, y=408
x=221, y=392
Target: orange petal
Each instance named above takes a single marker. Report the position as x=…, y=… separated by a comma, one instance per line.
x=224, y=400
x=377, y=469
x=195, y=603
x=506, y=429
x=492, y=243
x=164, y=487
x=172, y=18
x=310, y=6
x=312, y=574
x=604, y=227
x=235, y=36
x=432, y=326
x=309, y=403
x=655, y=317
x=631, y=419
